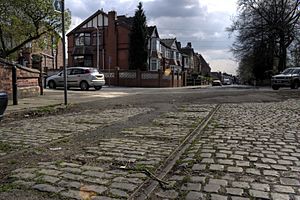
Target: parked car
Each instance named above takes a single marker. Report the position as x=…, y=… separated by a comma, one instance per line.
x=3, y=103
x=226, y=81
x=82, y=77
x=216, y=83
x=290, y=77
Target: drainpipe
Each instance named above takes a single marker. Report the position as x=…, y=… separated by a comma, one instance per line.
x=14, y=85
x=98, y=48
x=150, y=52
x=103, y=43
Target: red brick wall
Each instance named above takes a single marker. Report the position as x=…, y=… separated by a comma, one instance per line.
x=123, y=47
x=27, y=81
x=70, y=48
x=111, y=41
x=59, y=57
x=173, y=80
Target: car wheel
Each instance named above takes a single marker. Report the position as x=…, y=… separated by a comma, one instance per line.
x=275, y=87
x=295, y=85
x=98, y=87
x=52, y=85
x=84, y=85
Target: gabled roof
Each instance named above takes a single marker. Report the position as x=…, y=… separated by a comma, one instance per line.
x=168, y=42
x=151, y=30
x=187, y=50
x=87, y=20
x=125, y=21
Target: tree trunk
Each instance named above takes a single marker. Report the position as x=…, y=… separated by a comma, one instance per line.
x=282, y=53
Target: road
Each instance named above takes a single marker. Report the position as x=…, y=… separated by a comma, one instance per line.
x=183, y=143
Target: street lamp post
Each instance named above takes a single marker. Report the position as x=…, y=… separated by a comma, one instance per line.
x=59, y=5
x=64, y=52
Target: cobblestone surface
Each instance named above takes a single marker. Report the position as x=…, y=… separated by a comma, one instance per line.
x=103, y=175
x=33, y=132
x=248, y=151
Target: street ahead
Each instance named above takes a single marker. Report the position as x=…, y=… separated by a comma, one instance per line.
x=172, y=143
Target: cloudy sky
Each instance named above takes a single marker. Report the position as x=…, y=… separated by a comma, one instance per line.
x=201, y=22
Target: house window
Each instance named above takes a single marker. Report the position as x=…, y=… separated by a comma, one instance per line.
x=94, y=39
x=155, y=44
x=177, y=55
x=82, y=39
x=83, y=61
x=169, y=54
x=154, y=65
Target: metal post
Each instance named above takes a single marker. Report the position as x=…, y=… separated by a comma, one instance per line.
x=41, y=81
x=64, y=52
x=15, y=85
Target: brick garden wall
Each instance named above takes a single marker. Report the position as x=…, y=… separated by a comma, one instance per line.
x=27, y=80
x=131, y=78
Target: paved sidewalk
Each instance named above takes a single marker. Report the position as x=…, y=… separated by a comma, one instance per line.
x=56, y=97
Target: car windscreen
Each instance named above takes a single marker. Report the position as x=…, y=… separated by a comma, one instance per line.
x=288, y=71
x=296, y=71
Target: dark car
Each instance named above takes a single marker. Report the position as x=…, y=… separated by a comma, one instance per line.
x=3, y=103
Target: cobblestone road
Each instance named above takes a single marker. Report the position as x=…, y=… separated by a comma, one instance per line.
x=33, y=132
x=248, y=151
x=102, y=177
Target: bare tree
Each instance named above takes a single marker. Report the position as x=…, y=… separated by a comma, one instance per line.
x=268, y=25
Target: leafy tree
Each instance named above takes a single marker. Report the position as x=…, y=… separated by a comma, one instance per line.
x=265, y=30
x=138, y=41
x=23, y=21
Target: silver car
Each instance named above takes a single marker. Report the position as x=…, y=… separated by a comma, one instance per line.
x=82, y=77
x=290, y=77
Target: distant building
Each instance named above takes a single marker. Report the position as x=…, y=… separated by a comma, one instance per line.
x=188, y=58
x=44, y=52
x=102, y=41
x=154, y=49
x=171, y=56
x=204, y=66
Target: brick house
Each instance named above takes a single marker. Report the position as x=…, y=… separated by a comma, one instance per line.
x=47, y=52
x=101, y=41
x=154, y=49
x=111, y=50
x=188, y=63
x=172, y=58
x=205, y=69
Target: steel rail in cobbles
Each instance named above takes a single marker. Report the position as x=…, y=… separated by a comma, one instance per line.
x=145, y=190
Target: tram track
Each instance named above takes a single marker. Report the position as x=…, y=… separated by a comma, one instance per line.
x=145, y=190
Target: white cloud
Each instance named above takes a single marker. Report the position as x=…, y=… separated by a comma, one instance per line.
x=219, y=5
x=224, y=65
